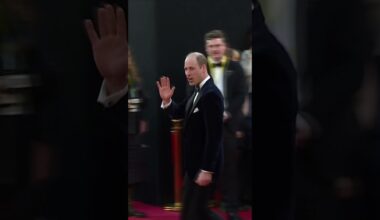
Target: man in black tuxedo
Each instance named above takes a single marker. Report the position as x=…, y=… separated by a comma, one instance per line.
x=202, y=138
x=86, y=175
x=229, y=77
x=107, y=174
x=274, y=112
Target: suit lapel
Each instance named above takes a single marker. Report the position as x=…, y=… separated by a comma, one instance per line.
x=189, y=104
x=195, y=103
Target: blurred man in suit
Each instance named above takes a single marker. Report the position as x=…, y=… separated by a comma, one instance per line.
x=202, y=138
x=274, y=101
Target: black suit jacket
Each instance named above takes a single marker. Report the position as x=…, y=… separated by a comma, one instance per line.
x=202, y=131
x=235, y=90
x=107, y=176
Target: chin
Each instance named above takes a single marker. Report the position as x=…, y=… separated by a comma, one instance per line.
x=217, y=58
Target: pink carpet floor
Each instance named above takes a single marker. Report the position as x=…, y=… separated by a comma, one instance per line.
x=157, y=213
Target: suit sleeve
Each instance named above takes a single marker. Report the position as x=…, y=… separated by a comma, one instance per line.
x=118, y=113
x=213, y=119
x=177, y=110
x=110, y=140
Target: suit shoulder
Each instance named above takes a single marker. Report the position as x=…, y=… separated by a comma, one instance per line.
x=235, y=67
x=234, y=64
x=213, y=91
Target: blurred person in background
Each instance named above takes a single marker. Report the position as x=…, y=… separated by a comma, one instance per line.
x=137, y=127
x=274, y=101
x=233, y=54
x=25, y=161
x=333, y=137
x=246, y=128
x=87, y=155
x=246, y=61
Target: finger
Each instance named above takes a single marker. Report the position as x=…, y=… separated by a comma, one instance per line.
x=121, y=24
x=102, y=22
x=172, y=90
x=91, y=33
x=168, y=82
x=164, y=82
x=110, y=19
x=158, y=85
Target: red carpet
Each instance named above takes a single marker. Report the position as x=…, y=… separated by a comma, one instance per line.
x=157, y=213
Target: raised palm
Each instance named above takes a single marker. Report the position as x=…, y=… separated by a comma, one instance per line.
x=110, y=47
x=166, y=92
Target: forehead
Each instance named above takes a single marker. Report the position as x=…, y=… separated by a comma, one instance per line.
x=190, y=61
x=214, y=41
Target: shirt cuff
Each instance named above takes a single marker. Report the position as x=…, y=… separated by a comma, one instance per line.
x=205, y=171
x=167, y=105
x=110, y=100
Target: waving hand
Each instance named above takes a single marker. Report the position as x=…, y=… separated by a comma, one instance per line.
x=109, y=46
x=166, y=92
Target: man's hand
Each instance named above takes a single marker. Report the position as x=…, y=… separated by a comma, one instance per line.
x=164, y=89
x=110, y=48
x=226, y=116
x=204, y=178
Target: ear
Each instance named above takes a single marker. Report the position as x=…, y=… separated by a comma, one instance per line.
x=204, y=68
x=205, y=71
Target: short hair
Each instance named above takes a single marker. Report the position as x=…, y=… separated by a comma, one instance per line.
x=215, y=34
x=201, y=59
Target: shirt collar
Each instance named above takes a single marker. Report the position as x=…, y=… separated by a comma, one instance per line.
x=212, y=61
x=204, y=81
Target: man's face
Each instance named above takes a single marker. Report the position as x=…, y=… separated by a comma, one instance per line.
x=215, y=48
x=194, y=72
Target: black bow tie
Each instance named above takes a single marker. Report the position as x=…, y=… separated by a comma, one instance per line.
x=217, y=64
